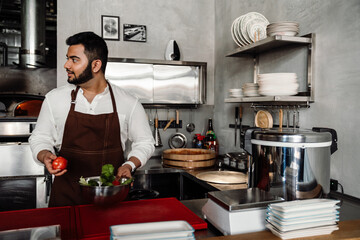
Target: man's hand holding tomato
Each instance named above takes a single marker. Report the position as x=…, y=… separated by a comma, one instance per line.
x=47, y=158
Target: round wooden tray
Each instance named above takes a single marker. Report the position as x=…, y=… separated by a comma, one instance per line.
x=189, y=158
x=188, y=164
x=188, y=154
x=263, y=119
x=223, y=177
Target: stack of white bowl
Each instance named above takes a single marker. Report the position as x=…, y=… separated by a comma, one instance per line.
x=303, y=218
x=278, y=84
x=282, y=28
x=235, y=93
x=250, y=89
x=249, y=28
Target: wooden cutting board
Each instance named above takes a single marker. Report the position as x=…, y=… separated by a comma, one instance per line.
x=190, y=158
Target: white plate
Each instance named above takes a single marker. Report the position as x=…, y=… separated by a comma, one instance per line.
x=299, y=214
x=234, y=32
x=246, y=20
x=238, y=33
x=256, y=29
x=303, y=232
x=283, y=228
x=291, y=34
x=303, y=220
x=153, y=230
x=288, y=87
x=303, y=205
x=274, y=75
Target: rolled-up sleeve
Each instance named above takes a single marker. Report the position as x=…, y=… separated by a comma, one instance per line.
x=140, y=135
x=44, y=135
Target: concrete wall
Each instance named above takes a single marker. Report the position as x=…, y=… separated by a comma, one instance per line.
x=191, y=23
x=337, y=27
x=202, y=30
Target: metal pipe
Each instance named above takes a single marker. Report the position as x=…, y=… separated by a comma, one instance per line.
x=32, y=32
x=4, y=46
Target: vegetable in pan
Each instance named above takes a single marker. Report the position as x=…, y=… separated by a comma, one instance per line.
x=107, y=178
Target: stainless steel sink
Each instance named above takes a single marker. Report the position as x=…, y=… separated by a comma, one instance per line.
x=167, y=182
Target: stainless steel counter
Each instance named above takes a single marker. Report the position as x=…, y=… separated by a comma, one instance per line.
x=154, y=165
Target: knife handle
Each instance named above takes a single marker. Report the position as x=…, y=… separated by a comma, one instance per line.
x=236, y=112
x=240, y=111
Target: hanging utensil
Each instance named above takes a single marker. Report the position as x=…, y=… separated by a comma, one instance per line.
x=236, y=121
x=190, y=127
x=177, y=120
x=240, y=117
x=287, y=118
x=168, y=124
x=158, y=142
x=150, y=118
x=280, y=118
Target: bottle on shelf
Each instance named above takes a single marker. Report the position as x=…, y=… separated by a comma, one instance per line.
x=211, y=142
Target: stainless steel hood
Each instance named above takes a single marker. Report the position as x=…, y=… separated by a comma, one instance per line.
x=160, y=83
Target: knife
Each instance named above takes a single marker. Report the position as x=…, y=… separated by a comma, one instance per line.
x=240, y=115
x=236, y=122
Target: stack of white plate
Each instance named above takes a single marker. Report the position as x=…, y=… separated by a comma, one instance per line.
x=278, y=84
x=250, y=89
x=303, y=218
x=179, y=230
x=283, y=28
x=235, y=92
x=249, y=28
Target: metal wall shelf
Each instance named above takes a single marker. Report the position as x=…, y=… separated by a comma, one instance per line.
x=272, y=43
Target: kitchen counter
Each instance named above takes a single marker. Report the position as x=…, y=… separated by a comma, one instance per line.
x=348, y=226
x=347, y=230
x=155, y=165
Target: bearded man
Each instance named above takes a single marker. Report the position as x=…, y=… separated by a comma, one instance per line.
x=88, y=121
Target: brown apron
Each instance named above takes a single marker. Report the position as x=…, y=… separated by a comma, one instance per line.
x=89, y=142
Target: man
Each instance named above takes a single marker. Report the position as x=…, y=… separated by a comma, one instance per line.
x=88, y=122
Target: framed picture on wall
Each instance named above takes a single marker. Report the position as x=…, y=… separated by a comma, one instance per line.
x=110, y=27
x=134, y=33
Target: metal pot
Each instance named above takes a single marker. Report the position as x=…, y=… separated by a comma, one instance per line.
x=290, y=163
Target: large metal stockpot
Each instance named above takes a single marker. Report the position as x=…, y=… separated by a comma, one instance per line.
x=290, y=163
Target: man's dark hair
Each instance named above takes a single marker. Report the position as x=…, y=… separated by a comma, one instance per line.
x=95, y=46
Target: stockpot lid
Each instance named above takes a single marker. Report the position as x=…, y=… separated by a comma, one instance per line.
x=291, y=138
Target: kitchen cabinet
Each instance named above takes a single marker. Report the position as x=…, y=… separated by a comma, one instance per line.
x=268, y=44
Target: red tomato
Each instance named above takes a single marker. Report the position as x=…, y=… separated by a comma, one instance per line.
x=59, y=163
x=116, y=183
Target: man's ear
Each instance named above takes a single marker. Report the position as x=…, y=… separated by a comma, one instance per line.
x=96, y=65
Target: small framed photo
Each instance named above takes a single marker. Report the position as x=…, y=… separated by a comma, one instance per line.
x=110, y=27
x=134, y=33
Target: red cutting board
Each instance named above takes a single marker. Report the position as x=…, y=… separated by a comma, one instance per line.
x=30, y=218
x=93, y=221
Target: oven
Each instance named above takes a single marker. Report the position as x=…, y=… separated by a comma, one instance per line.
x=24, y=184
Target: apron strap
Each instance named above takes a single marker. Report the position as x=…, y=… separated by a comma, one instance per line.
x=112, y=98
x=73, y=97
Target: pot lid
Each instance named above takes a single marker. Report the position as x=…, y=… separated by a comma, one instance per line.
x=291, y=135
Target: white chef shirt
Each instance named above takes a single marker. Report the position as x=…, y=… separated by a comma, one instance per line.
x=134, y=125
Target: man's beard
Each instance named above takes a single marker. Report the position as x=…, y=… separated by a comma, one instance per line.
x=85, y=76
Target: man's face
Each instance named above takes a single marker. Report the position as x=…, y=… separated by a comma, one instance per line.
x=77, y=66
